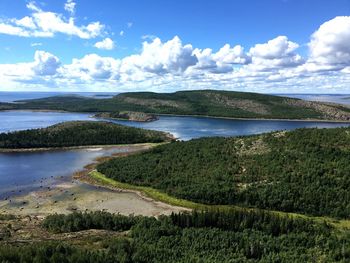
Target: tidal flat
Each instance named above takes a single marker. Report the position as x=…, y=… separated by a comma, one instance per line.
x=63, y=195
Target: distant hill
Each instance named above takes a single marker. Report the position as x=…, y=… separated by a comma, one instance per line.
x=79, y=133
x=202, y=102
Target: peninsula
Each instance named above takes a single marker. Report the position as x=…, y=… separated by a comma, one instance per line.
x=80, y=133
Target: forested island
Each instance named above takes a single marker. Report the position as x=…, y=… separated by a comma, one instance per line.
x=304, y=171
x=214, y=103
x=79, y=133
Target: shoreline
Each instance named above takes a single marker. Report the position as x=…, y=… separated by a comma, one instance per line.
x=88, y=179
x=190, y=115
x=77, y=194
x=85, y=176
x=254, y=119
x=83, y=147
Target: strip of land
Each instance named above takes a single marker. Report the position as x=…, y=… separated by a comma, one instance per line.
x=79, y=134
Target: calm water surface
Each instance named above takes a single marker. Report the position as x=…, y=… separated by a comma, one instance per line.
x=335, y=98
x=23, y=172
x=22, y=120
x=15, y=96
x=186, y=128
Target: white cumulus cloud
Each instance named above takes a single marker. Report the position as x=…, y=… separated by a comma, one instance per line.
x=26, y=22
x=69, y=6
x=159, y=58
x=91, y=67
x=234, y=55
x=106, y=44
x=276, y=53
x=45, y=63
x=330, y=44
x=46, y=24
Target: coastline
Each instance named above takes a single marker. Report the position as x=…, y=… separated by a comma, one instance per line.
x=77, y=194
x=49, y=149
x=254, y=119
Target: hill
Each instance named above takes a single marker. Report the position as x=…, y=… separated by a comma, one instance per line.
x=79, y=133
x=304, y=171
x=202, y=102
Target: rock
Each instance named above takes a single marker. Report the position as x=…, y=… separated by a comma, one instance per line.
x=128, y=115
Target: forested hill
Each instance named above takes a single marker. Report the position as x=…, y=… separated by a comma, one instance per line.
x=304, y=171
x=201, y=102
x=79, y=133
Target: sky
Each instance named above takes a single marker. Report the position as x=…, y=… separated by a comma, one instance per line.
x=267, y=46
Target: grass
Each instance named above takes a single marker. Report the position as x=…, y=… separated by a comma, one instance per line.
x=342, y=225
x=147, y=191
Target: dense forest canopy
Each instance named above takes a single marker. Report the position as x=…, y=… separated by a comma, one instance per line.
x=304, y=171
x=209, y=236
x=80, y=133
x=201, y=102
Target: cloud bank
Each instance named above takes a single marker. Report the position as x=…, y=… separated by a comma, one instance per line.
x=274, y=65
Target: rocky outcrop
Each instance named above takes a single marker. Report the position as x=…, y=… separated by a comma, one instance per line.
x=128, y=115
x=154, y=103
x=242, y=104
x=328, y=110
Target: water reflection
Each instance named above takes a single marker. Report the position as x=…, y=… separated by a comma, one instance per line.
x=22, y=120
x=23, y=172
x=186, y=128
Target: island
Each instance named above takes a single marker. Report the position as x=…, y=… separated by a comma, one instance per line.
x=79, y=133
x=213, y=103
x=127, y=115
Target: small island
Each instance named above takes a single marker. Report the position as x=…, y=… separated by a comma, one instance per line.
x=127, y=115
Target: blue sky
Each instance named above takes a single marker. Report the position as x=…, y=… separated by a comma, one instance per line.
x=252, y=45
